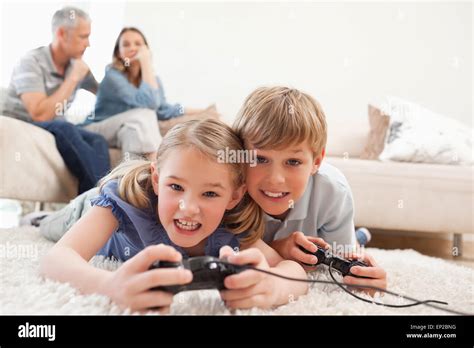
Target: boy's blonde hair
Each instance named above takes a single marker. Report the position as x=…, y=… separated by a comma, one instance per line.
x=207, y=136
x=276, y=117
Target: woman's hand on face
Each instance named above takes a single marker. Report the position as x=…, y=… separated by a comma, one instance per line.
x=129, y=286
x=143, y=55
x=249, y=288
x=376, y=274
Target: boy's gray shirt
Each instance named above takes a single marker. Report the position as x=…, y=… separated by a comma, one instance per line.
x=325, y=210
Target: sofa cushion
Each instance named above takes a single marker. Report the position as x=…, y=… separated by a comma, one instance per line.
x=32, y=168
x=417, y=134
x=3, y=95
x=379, y=123
x=410, y=197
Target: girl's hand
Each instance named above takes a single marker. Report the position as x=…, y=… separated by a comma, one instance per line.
x=129, y=285
x=249, y=288
x=289, y=248
x=374, y=271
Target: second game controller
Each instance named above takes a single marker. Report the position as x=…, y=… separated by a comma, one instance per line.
x=208, y=273
x=340, y=264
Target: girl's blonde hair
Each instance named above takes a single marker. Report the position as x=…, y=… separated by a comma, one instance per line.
x=209, y=137
x=276, y=117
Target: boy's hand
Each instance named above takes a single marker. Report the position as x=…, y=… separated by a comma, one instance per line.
x=289, y=248
x=249, y=288
x=378, y=274
x=129, y=286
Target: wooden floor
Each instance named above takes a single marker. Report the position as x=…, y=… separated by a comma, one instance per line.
x=425, y=243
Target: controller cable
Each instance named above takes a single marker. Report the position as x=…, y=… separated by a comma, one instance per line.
x=342, y=286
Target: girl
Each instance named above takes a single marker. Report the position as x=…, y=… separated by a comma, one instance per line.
x=171, y=208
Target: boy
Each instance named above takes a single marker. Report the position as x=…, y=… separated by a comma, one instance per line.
x=305, y=200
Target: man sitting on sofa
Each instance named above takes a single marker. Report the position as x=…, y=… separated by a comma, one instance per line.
x=45, y=80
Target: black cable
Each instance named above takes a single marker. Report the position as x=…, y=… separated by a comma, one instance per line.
x=415, y=301
x=342, y=286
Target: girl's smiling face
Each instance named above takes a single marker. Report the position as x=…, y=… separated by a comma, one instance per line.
x=193, y=193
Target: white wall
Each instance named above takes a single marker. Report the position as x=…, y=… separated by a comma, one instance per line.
x=27, y=24
x=345, y=54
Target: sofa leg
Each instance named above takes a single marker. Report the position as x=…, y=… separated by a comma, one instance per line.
x=39, y=206
x=457, y=244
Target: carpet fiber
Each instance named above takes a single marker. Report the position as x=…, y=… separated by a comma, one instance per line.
x=23, y=291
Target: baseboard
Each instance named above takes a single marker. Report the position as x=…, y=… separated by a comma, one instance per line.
x=432, y=244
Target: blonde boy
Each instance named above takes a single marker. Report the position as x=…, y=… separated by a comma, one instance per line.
x=305, y=200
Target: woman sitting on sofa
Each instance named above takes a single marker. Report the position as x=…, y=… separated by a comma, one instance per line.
x=130, y=83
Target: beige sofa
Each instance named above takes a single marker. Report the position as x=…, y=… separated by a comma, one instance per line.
x=31, y=167
x=387, y=195
x=401, y=196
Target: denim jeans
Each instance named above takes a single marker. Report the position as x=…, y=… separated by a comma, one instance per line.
x=86, y=154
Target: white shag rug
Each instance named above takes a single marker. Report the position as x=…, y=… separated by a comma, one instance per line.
x=23, y=291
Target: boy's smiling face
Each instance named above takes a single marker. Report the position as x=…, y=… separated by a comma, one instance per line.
x=280, y=177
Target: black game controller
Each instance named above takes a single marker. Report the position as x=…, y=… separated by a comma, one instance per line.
x=208, y=273
x=341, y=265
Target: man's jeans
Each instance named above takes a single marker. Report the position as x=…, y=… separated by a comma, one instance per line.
x=86, y=154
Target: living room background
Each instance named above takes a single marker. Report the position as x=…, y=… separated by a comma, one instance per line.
x=344, y=53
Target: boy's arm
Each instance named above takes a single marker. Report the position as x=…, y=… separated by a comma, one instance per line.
x=338, y=220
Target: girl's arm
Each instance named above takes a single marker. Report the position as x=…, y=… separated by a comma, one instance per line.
x=284, y=267
x=68, y=260
x=273, y=258
x=256, y=289
x=129, y=285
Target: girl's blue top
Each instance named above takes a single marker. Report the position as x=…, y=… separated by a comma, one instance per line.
x=139, y=228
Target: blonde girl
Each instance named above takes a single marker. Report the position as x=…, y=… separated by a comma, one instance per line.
x=183, y=204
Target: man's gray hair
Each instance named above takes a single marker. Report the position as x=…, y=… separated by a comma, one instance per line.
x=67, y=17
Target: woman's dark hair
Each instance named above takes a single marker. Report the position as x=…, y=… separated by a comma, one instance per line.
x=118, y=62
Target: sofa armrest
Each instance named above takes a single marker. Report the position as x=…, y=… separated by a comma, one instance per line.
x=31, y=167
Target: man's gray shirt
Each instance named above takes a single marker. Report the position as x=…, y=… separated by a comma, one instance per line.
x=36, y=73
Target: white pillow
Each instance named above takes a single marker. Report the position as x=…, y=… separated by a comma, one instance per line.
x=417, y=134
x=82, y=106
